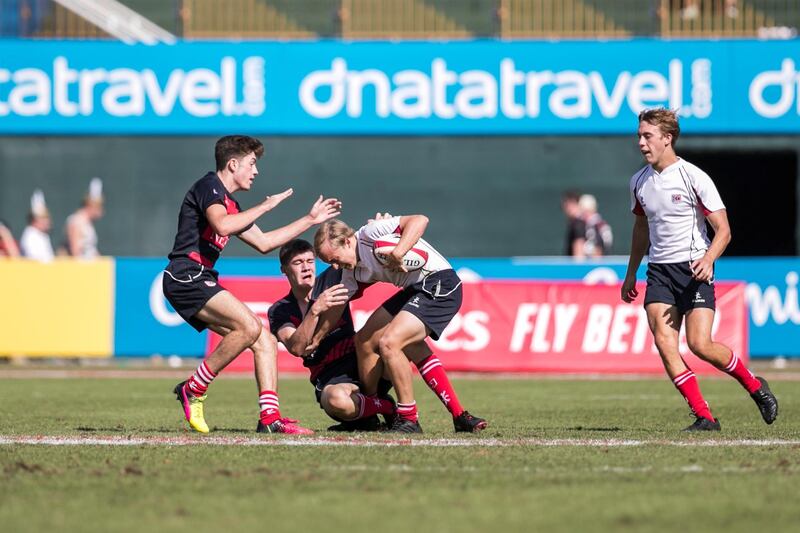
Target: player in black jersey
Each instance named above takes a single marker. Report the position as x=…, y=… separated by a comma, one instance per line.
x=332, y=362
x=208, y=217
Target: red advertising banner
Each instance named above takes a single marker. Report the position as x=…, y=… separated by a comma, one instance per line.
x=527, y=326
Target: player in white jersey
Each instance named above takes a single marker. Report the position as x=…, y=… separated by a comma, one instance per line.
x=672, y=200
x=430, y=297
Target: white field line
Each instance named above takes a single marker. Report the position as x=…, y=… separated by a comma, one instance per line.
x=56, y=440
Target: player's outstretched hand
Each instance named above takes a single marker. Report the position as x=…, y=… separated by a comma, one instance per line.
x=271, y=202
x=330, y=297
x=629, y=291
x=324, y=209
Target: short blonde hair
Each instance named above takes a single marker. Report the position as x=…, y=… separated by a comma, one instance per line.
x=665, y=119
x=335, y=232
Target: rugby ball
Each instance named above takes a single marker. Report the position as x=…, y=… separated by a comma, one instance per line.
x=414, y=259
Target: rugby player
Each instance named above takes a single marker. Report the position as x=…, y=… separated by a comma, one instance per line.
x=672, y=199
x=208, y=217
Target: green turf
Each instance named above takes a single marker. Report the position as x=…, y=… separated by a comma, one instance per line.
x=654, y=487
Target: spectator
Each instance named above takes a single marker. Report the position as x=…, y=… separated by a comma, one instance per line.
x=576, y=227
x=8, y=246
x=35, y=241
x=81, y=235
x=599, y=237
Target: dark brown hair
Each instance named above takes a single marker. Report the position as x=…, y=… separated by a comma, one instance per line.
x=236, y=147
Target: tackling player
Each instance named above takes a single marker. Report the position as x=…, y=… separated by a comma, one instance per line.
x=208, y=217
x=672, y=200
x=429, y=299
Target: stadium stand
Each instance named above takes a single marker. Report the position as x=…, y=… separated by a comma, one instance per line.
x=421, y=19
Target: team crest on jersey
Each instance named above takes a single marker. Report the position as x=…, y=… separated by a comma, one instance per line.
x=676, y=198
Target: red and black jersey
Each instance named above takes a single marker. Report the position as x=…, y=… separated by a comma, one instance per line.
x=336, y=345
x=196, y=239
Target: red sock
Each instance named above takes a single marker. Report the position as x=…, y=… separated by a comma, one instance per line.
x=686, y=383
x=433, y=373
x=372, y=405
x=270, y=407
x=408, y=411
x=739, y=372
x=200, y=380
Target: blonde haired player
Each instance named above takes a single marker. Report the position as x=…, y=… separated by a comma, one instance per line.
x=428, y=300
x=672, y=199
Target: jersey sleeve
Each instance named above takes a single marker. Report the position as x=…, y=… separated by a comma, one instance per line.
x=707, y=195
x=636, y=206
x=378, y=228
x=207, y=195
x=278, y=316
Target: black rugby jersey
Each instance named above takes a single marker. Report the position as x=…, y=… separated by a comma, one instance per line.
x=336, y=344
x=196, y=239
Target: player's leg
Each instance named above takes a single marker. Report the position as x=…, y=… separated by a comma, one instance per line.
x=665, y=323
x=370, y=368
x=404, y=329
x=435, y=377
x=699, y=322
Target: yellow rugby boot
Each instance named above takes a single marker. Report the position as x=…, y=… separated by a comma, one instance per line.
x=192, y=407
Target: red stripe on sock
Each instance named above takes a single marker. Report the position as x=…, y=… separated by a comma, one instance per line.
x=408, y=411
x=269, y=407
x=736, y=369
x=372, y=405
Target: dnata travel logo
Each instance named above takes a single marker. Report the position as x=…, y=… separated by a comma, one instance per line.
x=509, y=92
x=783, y=83
x=125, y=92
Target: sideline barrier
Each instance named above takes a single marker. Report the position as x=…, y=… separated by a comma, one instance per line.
x=63, y=308
x=527, y=326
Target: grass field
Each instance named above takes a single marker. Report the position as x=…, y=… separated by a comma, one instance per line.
x=558, y=456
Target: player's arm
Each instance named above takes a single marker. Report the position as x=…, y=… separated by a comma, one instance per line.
x=411, y=227
x=640, y=240
x=322, y=210
x=326, y=323
x=225, y=224
x=302, y=341
x=703, y=269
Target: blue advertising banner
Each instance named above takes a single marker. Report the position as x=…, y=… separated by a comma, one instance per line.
x=334, y=87
x=146, y=324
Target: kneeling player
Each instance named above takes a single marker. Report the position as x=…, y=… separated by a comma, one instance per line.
x=332, y=363
x=429, y=299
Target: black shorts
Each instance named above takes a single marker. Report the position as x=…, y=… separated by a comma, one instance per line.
x=435, y=300
x=344, y=370
x=188, y=286
x=672, y=283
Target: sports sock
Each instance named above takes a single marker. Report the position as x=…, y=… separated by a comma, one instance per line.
x=200, y=380
x=408, y=411
x=686, y=383
x=372, y=405
x=269, y=406
x=435, y=377
x=740, y=373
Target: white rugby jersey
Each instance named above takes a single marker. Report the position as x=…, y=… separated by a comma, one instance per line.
x=675, y=202
x=368, y=270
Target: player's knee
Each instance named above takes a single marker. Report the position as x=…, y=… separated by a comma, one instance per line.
x=664, y=343
x=266, y=342
x=338, y=402
x=390, y=345
x=699, y=347
x=251, y=328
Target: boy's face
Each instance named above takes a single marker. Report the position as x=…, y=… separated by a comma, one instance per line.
x=301, y=270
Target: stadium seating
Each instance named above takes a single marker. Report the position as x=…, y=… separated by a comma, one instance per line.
x=423, y=19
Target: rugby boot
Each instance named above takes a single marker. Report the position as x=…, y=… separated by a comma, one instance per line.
x=192, y=407
x=704, y=424
x=283, y=425
x=403, y=425
x=766, y=401
x=467, y=423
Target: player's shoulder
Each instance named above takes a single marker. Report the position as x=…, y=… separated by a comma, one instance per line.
x=280, y=305
x=329, y=277
x=640, y=174
x=692, y=170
